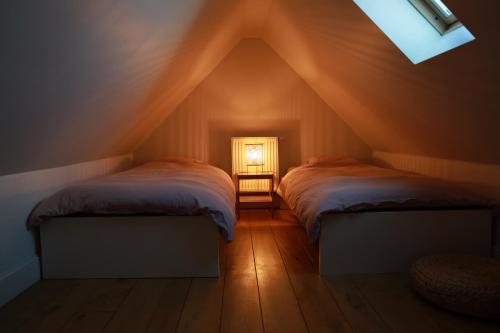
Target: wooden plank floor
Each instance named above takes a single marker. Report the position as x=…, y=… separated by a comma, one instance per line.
x=269, y=283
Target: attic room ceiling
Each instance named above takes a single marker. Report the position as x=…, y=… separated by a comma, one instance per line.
x=93, y=79
x=446, y=107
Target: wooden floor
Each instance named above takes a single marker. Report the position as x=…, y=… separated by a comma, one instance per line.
x=269, y=284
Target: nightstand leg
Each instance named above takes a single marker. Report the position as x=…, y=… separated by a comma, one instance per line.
x=271, y=193
x=237, y=199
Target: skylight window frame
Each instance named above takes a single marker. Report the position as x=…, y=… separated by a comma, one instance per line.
x=410, y=31
x=441, y=7
x=435, y=15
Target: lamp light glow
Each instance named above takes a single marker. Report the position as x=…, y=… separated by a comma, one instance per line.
x=254, y=154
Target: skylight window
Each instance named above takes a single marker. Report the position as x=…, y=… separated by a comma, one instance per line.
x=437, y=14
x=421, y=29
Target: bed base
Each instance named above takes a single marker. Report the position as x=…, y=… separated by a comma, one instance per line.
x=382, y=242
x=129, y=247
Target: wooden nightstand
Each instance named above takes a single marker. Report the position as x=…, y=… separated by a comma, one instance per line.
x=245, y=176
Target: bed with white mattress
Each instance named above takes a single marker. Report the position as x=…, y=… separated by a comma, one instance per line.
x=370, y=219
x=161, y=219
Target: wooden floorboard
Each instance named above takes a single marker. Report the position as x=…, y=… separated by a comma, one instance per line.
x=100, y=300
x=241, y=305
x=168, y=311
x=136, y=312
x=268, y=283
x=320, y=310
x=33, y=304
x=35, y=309
x=395, y=305
x=360, y=314
x=87, y=322
x=202, y=309
x=280, y=309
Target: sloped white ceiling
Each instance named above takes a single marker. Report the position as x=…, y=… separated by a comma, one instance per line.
x=90, y=79
x=447, y=107
x=82, y=80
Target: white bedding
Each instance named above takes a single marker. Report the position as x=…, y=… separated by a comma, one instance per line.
x=346, y=185
x=164, y=187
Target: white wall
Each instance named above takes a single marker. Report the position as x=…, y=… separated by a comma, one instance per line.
x=19, y=193
x=482, y=178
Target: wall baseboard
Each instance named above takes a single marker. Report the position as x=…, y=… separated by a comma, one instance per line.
x=19, y=193
x=485, y=177
x=18, y=279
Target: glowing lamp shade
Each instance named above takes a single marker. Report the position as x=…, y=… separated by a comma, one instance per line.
x=254, y=154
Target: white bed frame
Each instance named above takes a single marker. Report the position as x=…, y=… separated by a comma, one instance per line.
x=129, y=247
x=390, y=241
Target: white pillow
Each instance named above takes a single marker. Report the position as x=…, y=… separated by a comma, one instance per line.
x=331, y=161
x=179, y=159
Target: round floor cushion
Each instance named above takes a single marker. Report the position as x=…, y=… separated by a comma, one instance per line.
x=465, y=284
